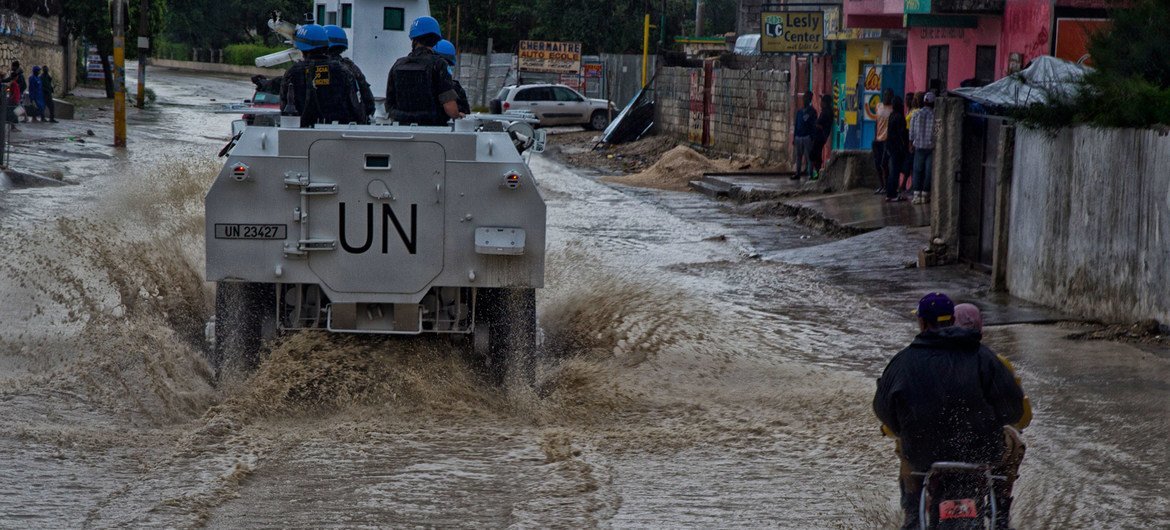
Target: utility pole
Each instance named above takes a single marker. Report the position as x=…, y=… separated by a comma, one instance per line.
x=645, y=48
x=143, y=49
x=698, y=18
x=119, y=74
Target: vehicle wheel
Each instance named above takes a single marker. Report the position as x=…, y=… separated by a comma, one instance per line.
x=599, y=121
x=509, y=318
x=245, y=315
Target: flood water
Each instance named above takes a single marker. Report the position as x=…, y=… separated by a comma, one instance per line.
x=691, y=385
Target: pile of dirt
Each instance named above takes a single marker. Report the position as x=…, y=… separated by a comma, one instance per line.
x=1143, y=332
x=579, y=150
x=673, y=171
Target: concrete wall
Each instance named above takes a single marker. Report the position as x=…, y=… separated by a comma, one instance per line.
x=35, y=41
x=1090, y=222
x=218, y=68
x=749, y=111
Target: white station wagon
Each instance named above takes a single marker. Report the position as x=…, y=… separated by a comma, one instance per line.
x=554, y=105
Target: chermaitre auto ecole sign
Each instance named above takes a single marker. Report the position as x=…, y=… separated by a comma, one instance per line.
x=793, y=32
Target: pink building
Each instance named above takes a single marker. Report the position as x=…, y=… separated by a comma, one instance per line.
x=953, y=41
x=873, y=14
x=940, y=58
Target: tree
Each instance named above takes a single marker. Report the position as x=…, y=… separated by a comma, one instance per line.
x=1138, y=45
x=218, y=23
x=92, y=20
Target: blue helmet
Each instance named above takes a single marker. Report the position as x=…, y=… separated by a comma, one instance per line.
x=337, y=37
x=423, y=26
x=446, y=50
x=311, y=37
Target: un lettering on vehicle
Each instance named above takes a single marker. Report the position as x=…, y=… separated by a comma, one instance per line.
x=388, y=219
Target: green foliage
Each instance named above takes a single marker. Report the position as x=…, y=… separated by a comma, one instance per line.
x=165, y=49
x=1139, y=44
x=1131, y=86
x=216, y=24
x=601, y=26
x=246, y=54
x=1105, y=100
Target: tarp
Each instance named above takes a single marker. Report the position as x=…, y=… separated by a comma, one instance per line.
x=634, y=121
x=1045, y=79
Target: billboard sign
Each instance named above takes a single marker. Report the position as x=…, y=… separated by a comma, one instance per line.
x=792, y=32
x=550, y=57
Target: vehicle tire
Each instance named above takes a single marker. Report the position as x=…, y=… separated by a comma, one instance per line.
x=509, y=316
x=599, y=121
x=245, y=315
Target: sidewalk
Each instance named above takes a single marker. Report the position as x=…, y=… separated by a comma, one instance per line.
x=854, y=211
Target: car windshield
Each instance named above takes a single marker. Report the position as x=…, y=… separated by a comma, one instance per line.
x=265, y=98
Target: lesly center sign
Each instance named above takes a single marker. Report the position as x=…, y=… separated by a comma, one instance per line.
x=551, y=57
x=793, y=32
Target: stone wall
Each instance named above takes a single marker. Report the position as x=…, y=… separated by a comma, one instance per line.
x=36, y=40
x=1090, y=222
x=748, y=112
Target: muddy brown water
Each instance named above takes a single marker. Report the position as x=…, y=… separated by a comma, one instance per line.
x=691, y=387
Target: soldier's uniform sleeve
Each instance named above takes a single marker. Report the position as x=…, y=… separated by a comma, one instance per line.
x=364, y=88
x=443, y=85
x=464, y=105
x=390, y=91
x=354, y=101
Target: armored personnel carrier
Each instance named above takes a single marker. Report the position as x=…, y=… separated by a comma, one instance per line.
x=378, y=229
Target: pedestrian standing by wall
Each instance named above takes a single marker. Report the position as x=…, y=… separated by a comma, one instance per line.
x=881, y=127
x=36, y=94
x=12, y=91
x=922, y=141
x=47, y=89
x=907, y=169
x=897, y=147
x=824, y=131
x=804, y=127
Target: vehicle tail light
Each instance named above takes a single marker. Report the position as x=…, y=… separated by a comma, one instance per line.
x=507, y=105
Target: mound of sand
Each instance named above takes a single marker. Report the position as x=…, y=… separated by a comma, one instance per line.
x=673, y=171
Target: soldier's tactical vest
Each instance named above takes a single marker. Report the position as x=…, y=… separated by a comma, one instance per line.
x=331, y=91
x=415, y=93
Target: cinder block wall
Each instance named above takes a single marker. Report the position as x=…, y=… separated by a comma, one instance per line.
x=1090, y=222
x=749, y=111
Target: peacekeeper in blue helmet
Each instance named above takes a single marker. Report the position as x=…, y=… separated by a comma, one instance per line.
x=446, y=50
x=319, y=88
x=419, y=89
x=339, y=42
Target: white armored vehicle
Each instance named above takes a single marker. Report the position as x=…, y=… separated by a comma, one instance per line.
x=380, y=229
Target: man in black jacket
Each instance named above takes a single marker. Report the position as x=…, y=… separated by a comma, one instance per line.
x=945, y=398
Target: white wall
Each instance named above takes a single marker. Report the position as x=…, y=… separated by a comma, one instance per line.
x=371, y=47
x=1090, y=222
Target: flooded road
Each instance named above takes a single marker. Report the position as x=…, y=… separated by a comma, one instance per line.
x=693, y=385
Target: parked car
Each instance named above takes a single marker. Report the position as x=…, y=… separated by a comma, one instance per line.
x=265, y=97
x=554, y=105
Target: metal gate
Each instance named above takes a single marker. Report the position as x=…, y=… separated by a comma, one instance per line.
x=977, y=187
